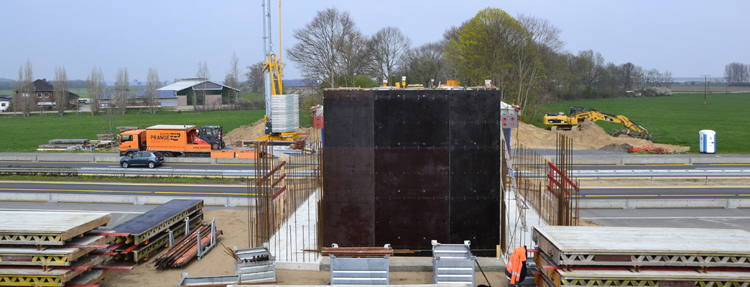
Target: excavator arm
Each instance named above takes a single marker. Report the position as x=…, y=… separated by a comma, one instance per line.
x=578, y=115
x=594, y=115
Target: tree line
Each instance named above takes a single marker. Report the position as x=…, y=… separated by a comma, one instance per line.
x=737, y=74
x=522, y=56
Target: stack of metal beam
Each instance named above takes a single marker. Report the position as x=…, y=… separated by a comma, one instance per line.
x=624, y=256
x=188, y=248
x=135, y=239
x=51, y=248
x=63, y=144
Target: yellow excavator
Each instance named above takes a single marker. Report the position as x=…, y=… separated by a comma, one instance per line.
x=578, y=115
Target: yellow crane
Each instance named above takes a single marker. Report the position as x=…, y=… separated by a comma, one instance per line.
x=274, y=85
x=578, y=115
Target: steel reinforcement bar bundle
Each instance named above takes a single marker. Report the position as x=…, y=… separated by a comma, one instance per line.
x=627, y=256
x=186, y=249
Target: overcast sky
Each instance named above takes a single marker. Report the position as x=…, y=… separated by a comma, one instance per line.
x=688, y=38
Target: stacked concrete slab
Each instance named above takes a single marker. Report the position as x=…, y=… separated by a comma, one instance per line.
x=624, y=256
x=50, y=248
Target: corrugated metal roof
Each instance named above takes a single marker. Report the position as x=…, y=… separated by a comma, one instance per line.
x=181, y=85
x=300, y=83
x=106, y=95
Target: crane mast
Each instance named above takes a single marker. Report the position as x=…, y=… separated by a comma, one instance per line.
x=276, y=102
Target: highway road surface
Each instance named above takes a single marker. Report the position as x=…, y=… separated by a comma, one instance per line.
x=604, y=192
x=63, y=187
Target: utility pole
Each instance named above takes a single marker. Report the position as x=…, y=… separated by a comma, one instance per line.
x=705, y=87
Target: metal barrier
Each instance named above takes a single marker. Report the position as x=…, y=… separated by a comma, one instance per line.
x=255, y=265
x=359, y=271
x=452, y=263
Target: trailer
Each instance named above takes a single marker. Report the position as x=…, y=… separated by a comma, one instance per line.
x=180, y=140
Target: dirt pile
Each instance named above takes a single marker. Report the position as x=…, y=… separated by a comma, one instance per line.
x=587, y=136
x=257, y=130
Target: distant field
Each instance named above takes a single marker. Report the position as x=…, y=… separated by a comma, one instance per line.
x=679, y=118
x=25, y=134
x=713, y=88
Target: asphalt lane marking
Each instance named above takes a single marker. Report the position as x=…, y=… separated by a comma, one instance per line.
x=665, y=187
x=213, y=193
x=697, y=195
x=70, y=210
x=74, y=190
x=668, y=217
x=121, y=183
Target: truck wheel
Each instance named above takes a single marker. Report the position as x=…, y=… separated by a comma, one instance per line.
x=125, y=164
x=216, y=147
x=129, y=153
x=151, y=164
x=167, y=154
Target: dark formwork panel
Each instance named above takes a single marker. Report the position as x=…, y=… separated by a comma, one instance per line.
x=411, y=196
x=349, y=202
x=411, y=223
x=411, y=172
x=475, y=119
x=348, y=118
x=478, y=221
x=474, y=173
x=411, y=118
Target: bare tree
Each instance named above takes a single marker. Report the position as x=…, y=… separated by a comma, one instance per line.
x=94, y=88
x=426, y=63
x=26, y=87
x=203, y=74
x=355, y=55
x=152, y=84
x=18, y=97
x=232, y=79
x=388, y=47
x=254, y=77
x=60, y=90
x=591, y=66
x=122, y=91
x=318, y=52
x=737, y=73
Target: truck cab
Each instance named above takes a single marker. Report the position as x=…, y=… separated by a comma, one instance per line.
x=132, y=142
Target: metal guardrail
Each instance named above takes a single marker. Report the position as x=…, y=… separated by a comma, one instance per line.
x=251, y=172
x=141, y=172
x=651, y=173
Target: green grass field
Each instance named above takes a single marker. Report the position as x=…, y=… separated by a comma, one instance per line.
x=679, y=118
x=26, y=134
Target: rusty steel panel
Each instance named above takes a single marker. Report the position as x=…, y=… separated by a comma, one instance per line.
x=410, y=223
x=348, y=197
x=411, y=118
x=348, y=117
x=411, y=172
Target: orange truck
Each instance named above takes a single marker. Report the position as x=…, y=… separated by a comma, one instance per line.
x=175, y=140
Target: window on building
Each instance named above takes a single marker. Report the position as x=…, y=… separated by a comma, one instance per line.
x=46, y=95
x=2, y=104
x=71, y=102
x=39, y=95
